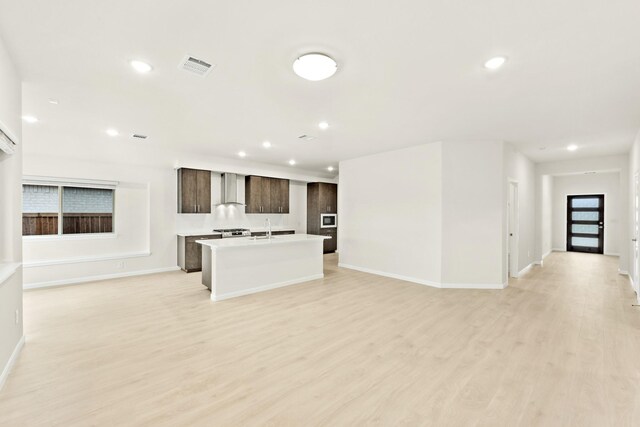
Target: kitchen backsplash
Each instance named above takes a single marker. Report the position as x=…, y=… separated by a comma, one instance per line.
x=234, y=217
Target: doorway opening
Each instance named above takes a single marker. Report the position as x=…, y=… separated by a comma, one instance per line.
x=585, y=223
x=512, y=230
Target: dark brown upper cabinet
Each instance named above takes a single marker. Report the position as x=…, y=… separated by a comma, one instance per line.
x=266, y=195
x=194, y=191
x=327, y=197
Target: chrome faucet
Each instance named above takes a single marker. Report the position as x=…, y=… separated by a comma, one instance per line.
x=268, y=226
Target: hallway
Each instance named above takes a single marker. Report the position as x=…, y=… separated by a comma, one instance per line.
x=559, y=346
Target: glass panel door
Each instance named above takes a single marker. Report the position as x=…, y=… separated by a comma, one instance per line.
x=585, y=223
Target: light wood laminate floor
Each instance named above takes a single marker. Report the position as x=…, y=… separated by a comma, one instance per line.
x=560, y=346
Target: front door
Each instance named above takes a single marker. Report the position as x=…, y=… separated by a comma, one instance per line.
x=585, y=223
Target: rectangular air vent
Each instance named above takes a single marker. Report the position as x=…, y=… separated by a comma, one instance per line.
x=138, y=136
x=306, y=137
x=195, y=66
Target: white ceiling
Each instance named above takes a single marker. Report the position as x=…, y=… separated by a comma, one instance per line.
x=409, y=73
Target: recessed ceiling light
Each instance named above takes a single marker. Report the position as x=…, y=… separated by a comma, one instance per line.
x=495, y=63
x=315, y=66
x=53, y=101
x=112, y=132
x=292, y=162
x=141, y=66
x=266, y=144
x=29, y=119
x=330, y=168
x=572, y=147
x=323, y=125
x=242, y=154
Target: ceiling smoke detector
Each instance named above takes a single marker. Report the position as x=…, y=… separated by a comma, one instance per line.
x=306, y=137
x=195, y=66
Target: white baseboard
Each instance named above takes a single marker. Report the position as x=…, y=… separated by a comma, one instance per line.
x=86, y=279
x=473, y=285
x=265, y=287
x=624, y=273
x=611, y=254
x=525, y=270
x=391, y=275
x=425, y=282
x=559, y=250
x=12, y=361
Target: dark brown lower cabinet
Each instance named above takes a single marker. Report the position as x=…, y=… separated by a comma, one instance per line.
x=190, y=253
x=330, y=245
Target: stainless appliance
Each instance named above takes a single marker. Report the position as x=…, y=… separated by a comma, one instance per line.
x=229, y=191
x=233, y=232
x=328, y=220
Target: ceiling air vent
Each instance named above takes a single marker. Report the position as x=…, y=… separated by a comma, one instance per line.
x=195, y=66
x=306, y=137
x=138, y=136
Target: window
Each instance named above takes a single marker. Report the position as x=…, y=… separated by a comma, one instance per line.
x=66, y=209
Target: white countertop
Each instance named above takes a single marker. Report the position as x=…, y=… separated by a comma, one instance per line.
x=213, y=233
x=250, y=241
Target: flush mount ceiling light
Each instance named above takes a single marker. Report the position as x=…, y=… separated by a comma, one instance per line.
x=572, y=147
x=242, y=154
x=30, y=119
x=292, y=162
x=112, y=132
x=141, y=66
x=266, y=144
x=330, y=168
x=315, y=66
x=323, y=125
x=53, y=101
x=495, y=63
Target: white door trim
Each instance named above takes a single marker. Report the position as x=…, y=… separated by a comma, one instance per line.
x=513, y=228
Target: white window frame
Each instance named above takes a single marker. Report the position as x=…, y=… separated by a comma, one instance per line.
x=73, y=182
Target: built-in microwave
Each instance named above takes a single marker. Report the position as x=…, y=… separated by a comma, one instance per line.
x=328, y=220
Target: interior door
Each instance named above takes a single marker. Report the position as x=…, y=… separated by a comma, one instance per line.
x=585, y=223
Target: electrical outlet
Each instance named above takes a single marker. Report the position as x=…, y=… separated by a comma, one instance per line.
x=17, y=316
x=120, y=264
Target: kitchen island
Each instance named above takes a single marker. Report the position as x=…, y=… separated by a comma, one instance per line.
x=245, y=265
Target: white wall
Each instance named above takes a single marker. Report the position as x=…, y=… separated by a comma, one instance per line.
x=145, y=220
x=600, y=183
x=520, y=169
x=390, y=213
x=473, y=213
x=431, y=214
x=11, y=330
x=627, y=246
x=545, y=210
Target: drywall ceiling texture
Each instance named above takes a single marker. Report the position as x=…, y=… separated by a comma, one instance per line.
x=600, y=183
x=407, y=74
x=11, y=329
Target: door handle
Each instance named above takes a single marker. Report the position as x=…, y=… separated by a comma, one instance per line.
x=634, y=240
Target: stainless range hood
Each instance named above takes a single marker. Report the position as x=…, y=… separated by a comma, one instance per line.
x=230, y=190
